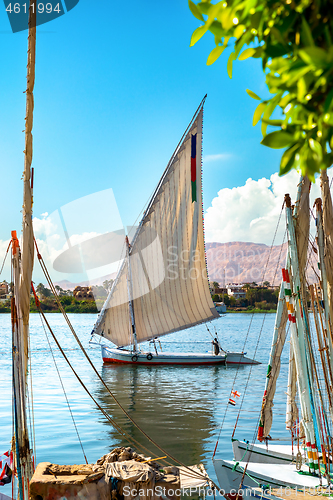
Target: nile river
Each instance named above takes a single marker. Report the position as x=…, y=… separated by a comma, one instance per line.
x=180, y=407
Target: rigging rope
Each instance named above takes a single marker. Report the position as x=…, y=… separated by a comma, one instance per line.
x=31, y=408
x=54, y=291
x=247, y=334
x=4, y=260
x=63, y=388
x=303, y=272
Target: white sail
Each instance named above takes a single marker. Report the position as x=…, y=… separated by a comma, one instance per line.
x=170, y=289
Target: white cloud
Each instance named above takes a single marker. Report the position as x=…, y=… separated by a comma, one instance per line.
x=221, y=156
x=250, y=212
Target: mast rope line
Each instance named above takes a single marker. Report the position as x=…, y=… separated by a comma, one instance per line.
x=31, y=409
x=116, y=426
x=4, y=260
x=62, y=385
x=247, y=334
x=54, y=291
x=166, y=169
x=155, y=192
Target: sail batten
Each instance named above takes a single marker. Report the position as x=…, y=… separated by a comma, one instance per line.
x=170, y=289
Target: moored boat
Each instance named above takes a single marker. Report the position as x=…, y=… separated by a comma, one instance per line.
x=120, y=355
x=307, y=461
x=267, y=453
x=162, y=286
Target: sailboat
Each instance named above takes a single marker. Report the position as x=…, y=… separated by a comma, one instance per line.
x=162, y=285
x=307, y=461
x=67, y=482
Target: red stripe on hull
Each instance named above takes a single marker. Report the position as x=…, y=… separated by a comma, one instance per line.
x=110, y=360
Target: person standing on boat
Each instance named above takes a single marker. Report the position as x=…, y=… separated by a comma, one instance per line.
x=216, y=346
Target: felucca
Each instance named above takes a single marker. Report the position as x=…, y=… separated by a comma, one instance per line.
x=162, y=286
x=51, y=480
x=307, y=461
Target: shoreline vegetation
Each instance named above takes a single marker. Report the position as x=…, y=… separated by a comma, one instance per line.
x=256, y=299
x=247, y=297
x=71, y=301
x=252, y=298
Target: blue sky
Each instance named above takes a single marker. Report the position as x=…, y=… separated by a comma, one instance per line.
x=116, y=85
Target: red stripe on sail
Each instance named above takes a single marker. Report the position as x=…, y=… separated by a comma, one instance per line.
x=193, y=169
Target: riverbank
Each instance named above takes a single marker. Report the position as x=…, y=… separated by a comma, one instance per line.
x=250, y=311
x=51, y=306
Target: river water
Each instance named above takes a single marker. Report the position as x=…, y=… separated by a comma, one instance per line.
x=179, y=407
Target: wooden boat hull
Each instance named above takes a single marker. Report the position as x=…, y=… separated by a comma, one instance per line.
x=229, y=475
x=259, y=453
x=114, y=355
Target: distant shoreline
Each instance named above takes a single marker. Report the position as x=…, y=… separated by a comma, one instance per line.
x=256, y=311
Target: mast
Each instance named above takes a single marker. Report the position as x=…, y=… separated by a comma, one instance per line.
x=279, y=334
x=319, y=222
x=130, y=295
x=22, y=273
x=298, y=339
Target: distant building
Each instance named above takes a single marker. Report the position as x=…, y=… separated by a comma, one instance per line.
x=83, y=293
x=4, y=290
x=217, y=290
x=236, y=290
x=221, y=307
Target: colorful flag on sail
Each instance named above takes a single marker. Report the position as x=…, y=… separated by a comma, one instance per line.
x=232, y=402
x=194, y=166
x=235, y=394
x=6, y=465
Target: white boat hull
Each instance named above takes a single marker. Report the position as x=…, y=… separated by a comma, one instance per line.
x=229, y=475
x=260, y=453
x=114, y=355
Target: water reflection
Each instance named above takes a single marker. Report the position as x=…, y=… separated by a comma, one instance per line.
x=174, y=405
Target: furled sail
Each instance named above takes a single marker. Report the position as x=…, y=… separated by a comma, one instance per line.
x=292, y=410
x=328, y=232
x=302, y=229
x=22, y=266
x=168, y=273
x=279, y=335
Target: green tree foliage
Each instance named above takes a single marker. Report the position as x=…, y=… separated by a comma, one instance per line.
x=293, y=38
x=43, y=291
x=66, y=300
x=226, y=299
x=259, y=294
x=232, y=301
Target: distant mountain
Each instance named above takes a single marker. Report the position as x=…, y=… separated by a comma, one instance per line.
x=247, y=262
x=243, y=262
